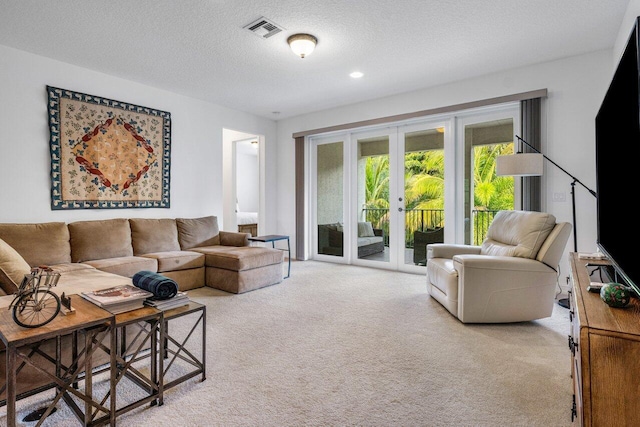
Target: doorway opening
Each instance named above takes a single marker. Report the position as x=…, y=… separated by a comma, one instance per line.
x=243, y=179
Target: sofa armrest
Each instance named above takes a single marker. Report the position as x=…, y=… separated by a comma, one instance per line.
x=231, y=238
x=448, y=251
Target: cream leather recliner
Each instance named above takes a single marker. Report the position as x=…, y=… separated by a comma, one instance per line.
x=511, y=277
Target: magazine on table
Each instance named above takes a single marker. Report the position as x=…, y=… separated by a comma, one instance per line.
x=179, y=300
x=117, y=309
x=117, y=295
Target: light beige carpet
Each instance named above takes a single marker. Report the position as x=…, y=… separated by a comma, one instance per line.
x=342, y=345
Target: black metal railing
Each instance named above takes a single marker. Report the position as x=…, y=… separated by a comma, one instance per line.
x=427, y=219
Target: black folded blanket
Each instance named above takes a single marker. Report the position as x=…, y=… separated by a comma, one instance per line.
x=161, y=286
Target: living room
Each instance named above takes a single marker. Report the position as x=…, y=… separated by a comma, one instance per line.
x=39, y=47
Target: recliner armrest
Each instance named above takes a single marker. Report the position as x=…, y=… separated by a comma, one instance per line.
x=498, y=263
x=448, y=251
x=503, y=289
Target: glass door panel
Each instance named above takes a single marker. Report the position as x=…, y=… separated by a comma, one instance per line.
x=372, y=230
x=423, y=168
x=484, y=192
x=329, y=212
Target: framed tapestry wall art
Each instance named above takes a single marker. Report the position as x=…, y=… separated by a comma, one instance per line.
x=107, y=154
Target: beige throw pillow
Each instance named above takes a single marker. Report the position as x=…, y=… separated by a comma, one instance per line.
x=12, y=268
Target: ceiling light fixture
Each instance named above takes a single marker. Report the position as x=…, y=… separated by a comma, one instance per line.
x=302, y=44
x=356, y=74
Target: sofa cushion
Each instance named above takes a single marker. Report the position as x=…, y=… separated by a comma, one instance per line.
x=194, y=232
x=153, y=235
x=240, y=258
x=364, y=241
x=98, y=240
x=12, y=268
x=124, y=266
x=365, y=229
x=39, y=244
x=69, y=267
x=517, y=233
x=177, y=260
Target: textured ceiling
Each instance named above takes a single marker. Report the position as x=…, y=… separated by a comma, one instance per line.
x=199, y=47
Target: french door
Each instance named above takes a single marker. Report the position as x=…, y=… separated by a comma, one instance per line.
x=379, y=196
x=378, y=193
x=425, y=161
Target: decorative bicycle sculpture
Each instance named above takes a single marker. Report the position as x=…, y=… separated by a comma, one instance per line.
x=35, y=304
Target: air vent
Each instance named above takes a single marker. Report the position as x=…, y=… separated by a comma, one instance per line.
x=264, y=28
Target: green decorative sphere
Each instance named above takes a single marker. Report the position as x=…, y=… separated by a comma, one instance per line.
x=615, y=294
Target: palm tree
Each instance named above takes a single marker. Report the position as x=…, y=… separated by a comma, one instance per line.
x=491, y=192
x=424, y=180
x=424, y=186
x=377, y=192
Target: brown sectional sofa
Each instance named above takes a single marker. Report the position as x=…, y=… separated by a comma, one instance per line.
x=99, y=254
x=191, y=251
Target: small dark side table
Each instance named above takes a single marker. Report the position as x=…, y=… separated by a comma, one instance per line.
x=273, y=238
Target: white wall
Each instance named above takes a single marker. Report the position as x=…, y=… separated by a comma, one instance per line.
x=576, y=86
x=630, y=16
x=196, y=148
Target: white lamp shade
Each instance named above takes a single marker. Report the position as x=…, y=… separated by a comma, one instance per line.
x=302, y=44
x=523, y=164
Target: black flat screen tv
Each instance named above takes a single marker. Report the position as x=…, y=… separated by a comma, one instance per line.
x=618, y=167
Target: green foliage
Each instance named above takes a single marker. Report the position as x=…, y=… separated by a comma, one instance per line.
x=424, y=185
x=377, y=182
x=377, y=191
x=491, y=192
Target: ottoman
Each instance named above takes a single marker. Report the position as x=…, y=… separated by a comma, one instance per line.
x=243, y=268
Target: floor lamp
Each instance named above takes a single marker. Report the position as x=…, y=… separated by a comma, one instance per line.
x=531, y=164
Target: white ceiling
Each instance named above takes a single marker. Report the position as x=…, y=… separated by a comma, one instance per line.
x=199, y=47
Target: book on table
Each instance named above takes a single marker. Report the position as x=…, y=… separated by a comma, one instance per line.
x=178, y=300
x=118, y=299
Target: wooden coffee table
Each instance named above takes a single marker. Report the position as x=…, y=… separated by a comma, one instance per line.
x=22, y=343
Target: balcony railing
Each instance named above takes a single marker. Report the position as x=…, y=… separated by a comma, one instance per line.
x=424, y=219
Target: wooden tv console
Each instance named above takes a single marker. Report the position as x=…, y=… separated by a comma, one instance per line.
x=605, y=353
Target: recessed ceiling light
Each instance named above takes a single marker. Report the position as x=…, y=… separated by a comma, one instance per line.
x=356, y=74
